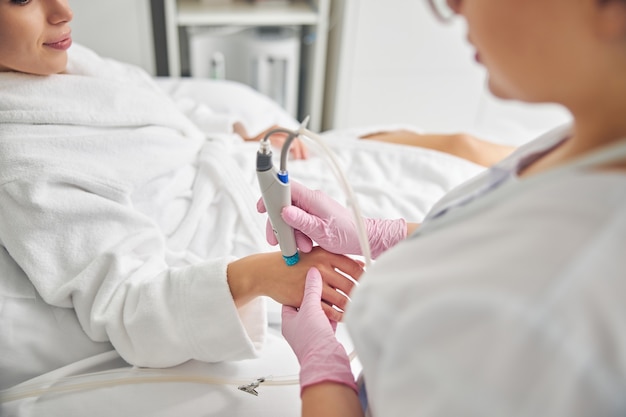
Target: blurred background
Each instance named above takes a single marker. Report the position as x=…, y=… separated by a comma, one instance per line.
x=347, y=63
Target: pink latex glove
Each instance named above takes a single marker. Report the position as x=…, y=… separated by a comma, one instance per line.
x=311, y=335
x=317, y=217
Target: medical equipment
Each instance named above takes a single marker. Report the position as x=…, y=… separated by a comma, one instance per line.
x=111, y=378
x=347, y=189
x=267, y=58
x=276, y=193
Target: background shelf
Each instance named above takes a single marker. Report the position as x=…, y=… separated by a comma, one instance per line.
x=241, y=12
x=311, y=15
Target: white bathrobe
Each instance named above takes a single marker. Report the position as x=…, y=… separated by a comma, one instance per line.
x=113, y=205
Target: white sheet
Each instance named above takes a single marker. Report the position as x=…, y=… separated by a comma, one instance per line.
x=389, y=180
x=215, y=395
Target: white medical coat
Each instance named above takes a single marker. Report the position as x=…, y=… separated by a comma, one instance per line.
x=510, y=303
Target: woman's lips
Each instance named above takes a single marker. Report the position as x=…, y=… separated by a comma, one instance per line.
x=61, y=44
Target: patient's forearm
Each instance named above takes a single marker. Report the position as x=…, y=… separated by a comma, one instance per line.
x=462, y=145
x=405, y=137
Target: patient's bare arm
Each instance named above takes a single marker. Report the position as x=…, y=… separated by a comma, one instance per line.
x=267, y=274
x=462, y=145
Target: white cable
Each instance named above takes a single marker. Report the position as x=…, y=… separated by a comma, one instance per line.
x=116, y=377
x=352, y=200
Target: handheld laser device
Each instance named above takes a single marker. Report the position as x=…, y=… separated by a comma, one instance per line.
x=276, y=194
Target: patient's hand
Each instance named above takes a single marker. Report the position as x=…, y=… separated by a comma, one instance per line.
x=462, y=145
x=297, y=149
x=267, y=274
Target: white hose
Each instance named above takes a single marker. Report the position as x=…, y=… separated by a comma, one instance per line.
x=351, y=197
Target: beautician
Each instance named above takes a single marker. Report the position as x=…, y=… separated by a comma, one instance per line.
x=509, y=299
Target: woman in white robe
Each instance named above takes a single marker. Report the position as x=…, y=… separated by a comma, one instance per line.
x=122, y=223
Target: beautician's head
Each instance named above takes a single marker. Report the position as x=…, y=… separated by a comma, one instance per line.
x=34, y=35
x=546, y=50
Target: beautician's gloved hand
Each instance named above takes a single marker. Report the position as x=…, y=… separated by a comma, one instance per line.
x=317, y=217
x=311, y=335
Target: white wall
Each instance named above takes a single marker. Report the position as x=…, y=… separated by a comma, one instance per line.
x=393, y=62
x=120, y=29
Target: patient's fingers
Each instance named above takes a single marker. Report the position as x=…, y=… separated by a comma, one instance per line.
x=336, y=289
x=351, y=267
x=334, y=297
x=332, y=313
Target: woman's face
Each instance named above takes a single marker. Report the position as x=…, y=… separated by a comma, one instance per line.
x=531, y=48
x=35, y=35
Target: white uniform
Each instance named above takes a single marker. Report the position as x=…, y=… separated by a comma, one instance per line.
x=508, y=301
x=113, y=208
